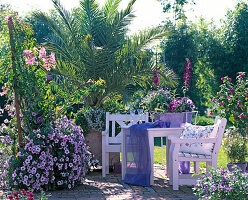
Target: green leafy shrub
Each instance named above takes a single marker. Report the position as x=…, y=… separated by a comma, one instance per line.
x=204, y=120
x=80, y=120
x=95, y=118
x=114, y=105
x=235, y=145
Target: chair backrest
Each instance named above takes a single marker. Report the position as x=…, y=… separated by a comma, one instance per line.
x=113, y=121
x=220, y=131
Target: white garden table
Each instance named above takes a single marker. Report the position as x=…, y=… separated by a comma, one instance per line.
x=152, y=132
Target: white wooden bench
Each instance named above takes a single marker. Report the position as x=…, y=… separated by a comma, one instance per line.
x=176, y=156
x=112, y=141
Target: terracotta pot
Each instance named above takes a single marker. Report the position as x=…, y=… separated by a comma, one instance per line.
x=231, y=166
x=94, y=141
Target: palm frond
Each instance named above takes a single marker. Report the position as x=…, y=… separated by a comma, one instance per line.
x=111, y=9
x=64, y=14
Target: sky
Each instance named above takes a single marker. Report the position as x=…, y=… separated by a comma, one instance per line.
x=148, y=12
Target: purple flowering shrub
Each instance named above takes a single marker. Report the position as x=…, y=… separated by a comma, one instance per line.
x=5, y=152
x=222, y=184
x=54, y=157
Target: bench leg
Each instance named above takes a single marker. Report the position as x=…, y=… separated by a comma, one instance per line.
x=175, y=174
x=196, y=167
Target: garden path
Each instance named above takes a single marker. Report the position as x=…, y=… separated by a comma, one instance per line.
x=112, y=187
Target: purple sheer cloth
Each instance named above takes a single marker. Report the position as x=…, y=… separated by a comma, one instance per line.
x=138, y=165
x=184, y=167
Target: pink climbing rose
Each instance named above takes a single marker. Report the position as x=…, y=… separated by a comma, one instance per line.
x=42, y=52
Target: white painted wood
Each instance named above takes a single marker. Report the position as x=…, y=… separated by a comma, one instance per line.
x=151, y=145
x=124, y=159
x=161, y=132
x=114, y=142
x=103, y=155
x=176, y=156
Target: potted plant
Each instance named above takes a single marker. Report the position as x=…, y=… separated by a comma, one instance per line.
x=236, y=148
x=232, y=103
x=165, y=106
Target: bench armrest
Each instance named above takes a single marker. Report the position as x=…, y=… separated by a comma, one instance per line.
x=104, y=133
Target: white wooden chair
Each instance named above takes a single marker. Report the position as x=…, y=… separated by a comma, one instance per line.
x=164, y=146
x=112, y=141
x=176, y=156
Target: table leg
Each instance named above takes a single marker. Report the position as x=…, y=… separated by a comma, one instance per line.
x=151, y=144
x=123, y=154
x=168, y=144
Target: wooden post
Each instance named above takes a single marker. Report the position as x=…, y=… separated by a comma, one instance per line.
x=17, y=104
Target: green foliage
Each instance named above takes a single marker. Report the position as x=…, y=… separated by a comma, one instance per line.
x=235, y=145
x=232, y=103
x=157, y=101
x=81, y=121
x=177, y=7
x=232, y=100
x=91, y=43
x=96, y=118
x=114, y=105
x=204, y=120
x=235, y=40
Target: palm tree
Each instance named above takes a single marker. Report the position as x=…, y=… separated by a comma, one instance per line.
x=92, y=43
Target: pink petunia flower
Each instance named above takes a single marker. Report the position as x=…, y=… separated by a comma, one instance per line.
x=232, y=90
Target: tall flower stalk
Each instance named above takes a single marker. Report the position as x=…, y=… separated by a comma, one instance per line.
x=186, y=77
x=155, y=77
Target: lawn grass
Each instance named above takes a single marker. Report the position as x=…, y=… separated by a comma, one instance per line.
x=221, y=162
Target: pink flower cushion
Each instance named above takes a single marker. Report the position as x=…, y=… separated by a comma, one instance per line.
x=198, y=132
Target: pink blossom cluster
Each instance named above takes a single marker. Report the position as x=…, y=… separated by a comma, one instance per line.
x=47, y=62
x=22, y=195
x=181, y=104
x=186, y=75
x=5, y=89
x=57, y=158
